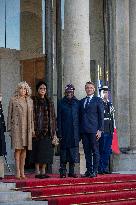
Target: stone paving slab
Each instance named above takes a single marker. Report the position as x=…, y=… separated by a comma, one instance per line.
x=1, y=167
x=12, y=196
x=7, y=186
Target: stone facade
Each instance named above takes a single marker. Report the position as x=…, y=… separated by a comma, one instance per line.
x=83, y=40
x=31, y=26
x=96, y=31
x=10, y=76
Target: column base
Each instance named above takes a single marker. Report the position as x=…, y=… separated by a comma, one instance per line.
x=56, y=166
x=82, y=159
x=1, y=167
x=124, y=162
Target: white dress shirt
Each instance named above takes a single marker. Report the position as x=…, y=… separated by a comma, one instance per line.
x=90, y=98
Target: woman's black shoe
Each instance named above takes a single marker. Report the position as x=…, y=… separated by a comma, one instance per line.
x=41, y=176
x=38, y=176
x=45, y=176
x=72, y=175
x=62, y=175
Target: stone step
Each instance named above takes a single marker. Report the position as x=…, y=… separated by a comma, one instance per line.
x=7, y=186
x=12, y=196
x=26, y=203
x=1, y=167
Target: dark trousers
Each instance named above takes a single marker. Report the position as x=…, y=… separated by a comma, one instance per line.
x=70, y=155
x=91, y=150
x=105, y=150
x=63, y=169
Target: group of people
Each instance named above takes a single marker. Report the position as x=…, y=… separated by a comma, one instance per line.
x=32, y=126
x=90, y=120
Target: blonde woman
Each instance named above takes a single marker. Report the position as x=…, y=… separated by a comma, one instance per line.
x=21, y=125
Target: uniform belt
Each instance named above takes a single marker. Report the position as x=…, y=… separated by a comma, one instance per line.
x=107, y=118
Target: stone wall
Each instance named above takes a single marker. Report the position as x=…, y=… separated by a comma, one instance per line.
x=96, y=32
x=10, y=76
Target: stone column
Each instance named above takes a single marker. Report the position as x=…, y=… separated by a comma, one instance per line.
x=96, y=35
x=121, y=72
x=132, y=64
x=124, y=83
x=49, y=45
x=76, y=44
x=55, y=82
x=59, y=49
x=77, y=50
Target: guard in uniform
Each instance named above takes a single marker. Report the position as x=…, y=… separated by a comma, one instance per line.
x=105, y=141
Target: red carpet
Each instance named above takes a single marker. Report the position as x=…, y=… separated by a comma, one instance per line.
x=114, y=189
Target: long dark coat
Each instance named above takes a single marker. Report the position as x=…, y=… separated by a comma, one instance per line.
x=42, y=151
x=49, y=116
x=68, y=123
x=2, y=130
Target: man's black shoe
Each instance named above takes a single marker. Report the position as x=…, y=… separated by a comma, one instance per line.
x=100, y=172
x=72, y=175
x=94, y=174
x=107, y=172
x=87, y=174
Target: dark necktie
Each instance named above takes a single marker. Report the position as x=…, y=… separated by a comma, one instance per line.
x=87, y=102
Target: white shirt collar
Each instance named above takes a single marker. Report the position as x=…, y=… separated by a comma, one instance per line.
x=90, y=96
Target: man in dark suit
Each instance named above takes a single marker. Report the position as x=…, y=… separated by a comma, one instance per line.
x=91, y=125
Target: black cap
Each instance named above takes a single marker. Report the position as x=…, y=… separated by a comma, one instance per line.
x=69, y=87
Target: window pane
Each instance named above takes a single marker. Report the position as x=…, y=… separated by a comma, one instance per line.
x=13, y=24
x=23, y=25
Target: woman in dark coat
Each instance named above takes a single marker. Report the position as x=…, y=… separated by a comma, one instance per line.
x=68, y=131
x=45, y=128
x=2, y=130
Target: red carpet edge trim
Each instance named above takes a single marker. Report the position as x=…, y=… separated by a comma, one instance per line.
x=81, y=193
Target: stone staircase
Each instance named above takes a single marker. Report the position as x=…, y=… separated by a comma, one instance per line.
x=8, y=196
